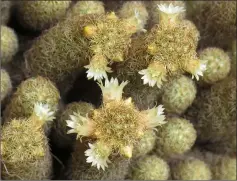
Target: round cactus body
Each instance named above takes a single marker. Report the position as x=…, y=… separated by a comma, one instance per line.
x=179, y=95
x=9, y=44
x=6, y=85
x=40, y=15
x=150, y=168
x=217, y=63
x=175, y=138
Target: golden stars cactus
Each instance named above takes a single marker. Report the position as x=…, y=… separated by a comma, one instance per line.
x=150, y=167
x=79, y=169
x=29, y=92
x=25, y=153
x=223, y=167
x=6, y=84
x=175, y=138
x=9, y=44
x=217, y=64
x=136, y=10
x=179, y=95
x=40, y=15
x=116, y=126
x=217, y=111
x=86, y=7
x=216, y=21
x=171, y=54
x=190, y=168
x=145, y=144
x=66, y=48
x=5, y=11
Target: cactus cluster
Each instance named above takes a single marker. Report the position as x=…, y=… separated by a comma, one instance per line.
x=122, y=132
x=28, y=157
x=99, y=90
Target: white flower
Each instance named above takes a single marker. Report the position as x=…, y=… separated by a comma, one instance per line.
x=199, y=71
x=80, y=125
x=98, y=155
x=97, y=68
x=155, y=116
x=112, y=89
x=43, y=112
x=170, y=9
x=151, y=78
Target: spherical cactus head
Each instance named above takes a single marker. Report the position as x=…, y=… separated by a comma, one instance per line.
x=40, y=15
x=175, y=138
x=6, y=84
x=136, y=12
x=191, y=169
x=217, y=63
x=24, y=156
x=179, y=95
x=9, y=44
x=86, y=7
x=150, y=167
x=145, y=144
x=223, y=167
x=31, y=91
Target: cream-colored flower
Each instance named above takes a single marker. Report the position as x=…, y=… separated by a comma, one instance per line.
x=155, y=116
x=199, y=71
x=97, y=68
x=98, y=155
x=112, y=90
x=153, y=75
x=170, y=9
x=80, y=125
x=43, y=112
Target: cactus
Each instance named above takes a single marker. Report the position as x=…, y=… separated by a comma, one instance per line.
x=216, y=21
x=179, y=95
x=135, y=10
x=150, y=168
x=111, y=124
x=65, y=48
x=5, y=11
x=223, y=167
x=6, y=84
x=29, y=92
x=78, y=169
x=9, y=44
x=175, y=138
x=60, y=136
x=24, y=147
x=154, y=9
x=86, y=7
x=191, y=168
x=170, y=54
x=40, y=15
x=217, y=64
x=145, y=144
x=217, y=115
